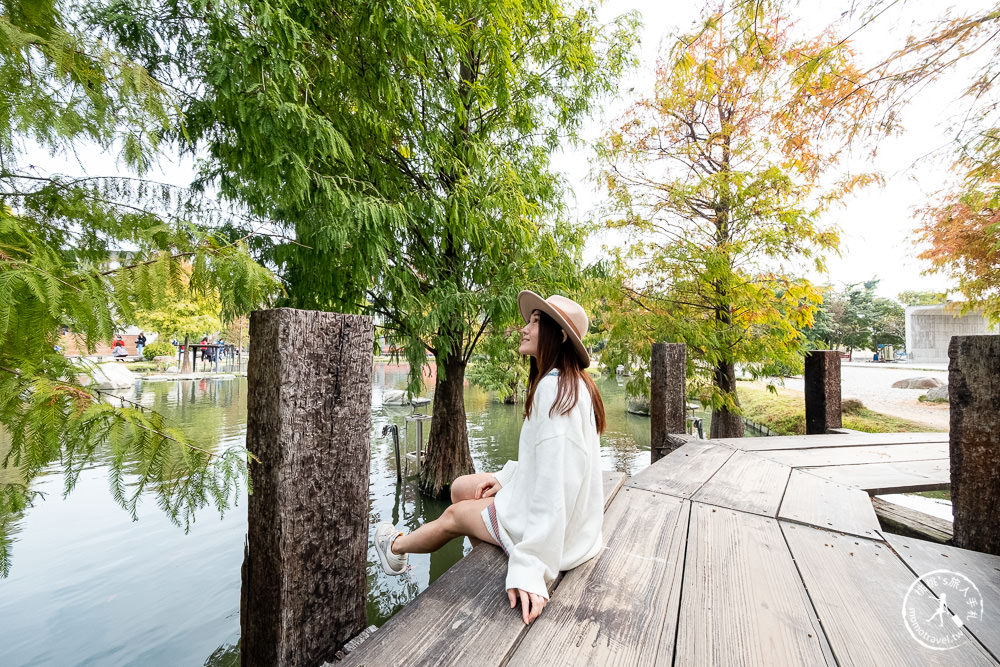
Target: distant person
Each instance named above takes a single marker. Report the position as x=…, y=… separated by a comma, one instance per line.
x=140, y=343
x=118, y=349
x=544, y=510
x=206, y=350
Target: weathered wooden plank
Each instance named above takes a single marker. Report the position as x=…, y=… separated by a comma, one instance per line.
x=982, y=569
x=746, y=482
x=462, y=618
x=621, y=607
x=742, y=601
x=878, y=478
x=830, y=440
x=911, y=521
x=819, y=502
x=831, y=456
x=612, y=483
x=857, y=587
x=682, y=472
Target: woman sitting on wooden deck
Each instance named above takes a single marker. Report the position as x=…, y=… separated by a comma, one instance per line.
x=544, y=510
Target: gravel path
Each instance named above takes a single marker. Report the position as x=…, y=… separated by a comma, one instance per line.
x=872, y=385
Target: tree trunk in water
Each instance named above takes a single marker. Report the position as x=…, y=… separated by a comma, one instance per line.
x=725, y=424
x=186, y=365
x=448, y=454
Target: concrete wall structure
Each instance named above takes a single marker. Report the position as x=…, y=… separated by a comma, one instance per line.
x=930, y=328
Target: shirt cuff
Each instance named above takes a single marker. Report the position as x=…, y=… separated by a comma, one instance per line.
x=506, y=474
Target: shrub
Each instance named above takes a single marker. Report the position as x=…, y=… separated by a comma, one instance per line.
x=852, y=406
x=158, y=349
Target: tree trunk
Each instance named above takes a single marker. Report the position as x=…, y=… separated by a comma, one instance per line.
x=726, y=424
x=186, y=364
x=448, y=454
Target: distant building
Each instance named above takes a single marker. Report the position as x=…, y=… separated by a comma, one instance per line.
x=929, y=330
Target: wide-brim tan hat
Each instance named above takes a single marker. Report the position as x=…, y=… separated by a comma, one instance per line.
x=567, y=313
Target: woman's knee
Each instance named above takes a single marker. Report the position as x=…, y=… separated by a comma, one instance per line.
x=450, y=521
x=464, y=488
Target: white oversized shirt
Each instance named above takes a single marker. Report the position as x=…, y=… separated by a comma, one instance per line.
x=551, y=504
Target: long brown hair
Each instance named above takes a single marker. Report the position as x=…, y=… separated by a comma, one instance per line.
x=554, y=352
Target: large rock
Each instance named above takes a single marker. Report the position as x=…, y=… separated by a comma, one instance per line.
x=938, y=393
x=111, y=375
x=637, y=405
x=918, y=383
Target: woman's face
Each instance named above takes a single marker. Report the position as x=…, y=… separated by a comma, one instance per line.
x=529, y=336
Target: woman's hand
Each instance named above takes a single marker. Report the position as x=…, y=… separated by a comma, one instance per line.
x=487, y=489
x=533, y=600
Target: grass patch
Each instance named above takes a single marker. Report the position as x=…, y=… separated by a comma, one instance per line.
x=940, y=495
x=785, y=413
x=142, y=366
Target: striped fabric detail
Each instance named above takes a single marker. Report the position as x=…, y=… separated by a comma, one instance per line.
x=494, y=527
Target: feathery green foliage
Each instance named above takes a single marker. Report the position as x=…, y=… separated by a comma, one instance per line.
x=86, y=254
x=405, y=146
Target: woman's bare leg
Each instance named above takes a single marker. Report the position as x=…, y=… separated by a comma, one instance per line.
x=464, y=487
x=461, y=519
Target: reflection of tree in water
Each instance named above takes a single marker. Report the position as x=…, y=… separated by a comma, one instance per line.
x=622, y=451
x=386, y=595
x=227, y=655
x=183, y=480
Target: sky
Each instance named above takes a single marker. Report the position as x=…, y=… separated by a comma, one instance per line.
x=876, y=225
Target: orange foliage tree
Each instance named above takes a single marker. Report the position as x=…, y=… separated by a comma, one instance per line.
x=961, y=229
x=963, y=236
x=718, y=181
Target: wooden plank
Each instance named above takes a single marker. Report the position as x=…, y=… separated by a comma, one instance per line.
x=742, y=601
x=463, y=617
x=982, y=569
x=857, y=587
x=911, y=521
x=829, y=456
x=819, y=502
x=621, y=607
x=879, y=478
x=612, y=483
x=746, y=482
x=831, y=440
x=682, y=472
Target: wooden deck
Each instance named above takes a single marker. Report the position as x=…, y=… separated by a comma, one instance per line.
x=760, y=551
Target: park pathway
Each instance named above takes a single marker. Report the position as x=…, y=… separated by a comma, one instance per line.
x=757, y=551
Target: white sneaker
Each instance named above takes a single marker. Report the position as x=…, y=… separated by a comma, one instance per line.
x=394, y=565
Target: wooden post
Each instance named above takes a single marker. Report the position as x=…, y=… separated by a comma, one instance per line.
x=822, y=389
x=309, y=417
x=974, y=393
x=667, y=398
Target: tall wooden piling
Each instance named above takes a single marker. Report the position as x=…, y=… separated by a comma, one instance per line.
x=974, y=394
x=822, y=389
x=667, y=398
x=309, y=417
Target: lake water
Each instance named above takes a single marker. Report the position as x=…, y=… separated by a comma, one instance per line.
x=89, y=586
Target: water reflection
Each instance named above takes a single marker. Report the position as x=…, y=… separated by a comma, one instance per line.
x=122, y=592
